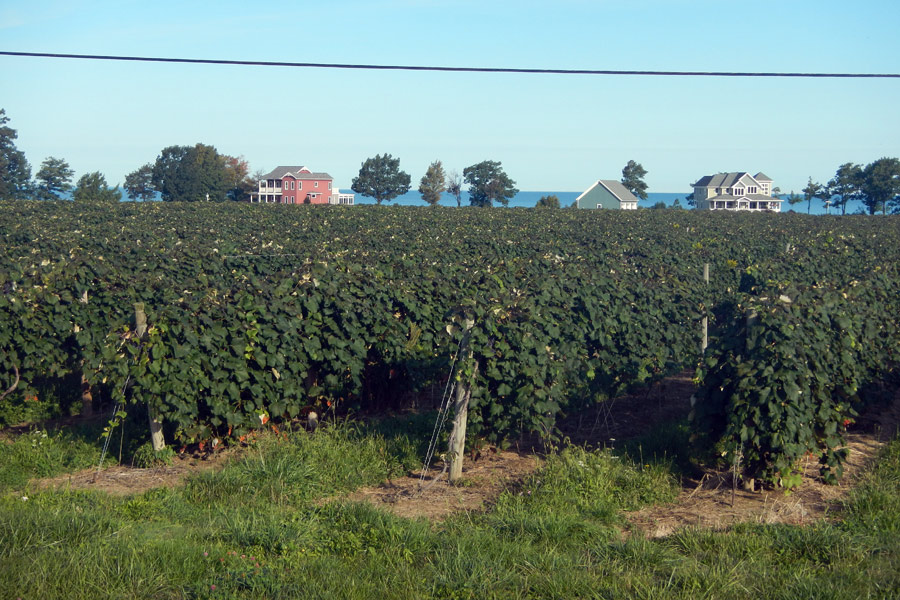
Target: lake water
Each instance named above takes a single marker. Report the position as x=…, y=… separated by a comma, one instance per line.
x=529, y=199
x=520, y=200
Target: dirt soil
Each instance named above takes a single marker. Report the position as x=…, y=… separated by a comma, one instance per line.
x=123, y=480
x=707, y=501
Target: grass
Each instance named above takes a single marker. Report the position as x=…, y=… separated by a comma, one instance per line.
x=258, y=529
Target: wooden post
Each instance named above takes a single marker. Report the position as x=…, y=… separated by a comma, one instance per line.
x=463, y=394
x=705, y=322
x=156, y=433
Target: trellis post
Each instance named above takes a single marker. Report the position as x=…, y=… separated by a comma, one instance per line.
x=463, y=395
x=156, y=432
x=705, y=323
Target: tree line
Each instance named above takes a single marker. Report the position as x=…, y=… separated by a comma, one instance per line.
x=876, y=185
x=201, y=173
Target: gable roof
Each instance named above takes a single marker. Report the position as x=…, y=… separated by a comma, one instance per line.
x=762, y=177
x=720, y=179
x=281, y=171
x=613, y=187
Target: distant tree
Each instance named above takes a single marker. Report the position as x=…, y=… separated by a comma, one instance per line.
x=690, y=200
x=381, y=178
x=794, y=198
x=551, y=201
x=237, y=175
x=845, y=185
x=677, y=204
x=433, y=183
x=53, y=179
x=454, y=186
x=488, y=184
x=880, y=184
x=191, y=174
x=633, y=179
x=659, y=205
x=92, y=187
x=139, y=184
x=812, y=190
x=15, y=172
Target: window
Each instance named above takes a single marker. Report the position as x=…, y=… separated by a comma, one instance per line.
x=299, y=185
x=738, y=191
x=317, y=184
x=751, y=189
x=329, y=185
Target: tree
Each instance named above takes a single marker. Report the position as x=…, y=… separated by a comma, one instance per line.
x=15, y=172
x=488, y=184
x=659, y=205
x=812, y=190
x=794, y=198
x=139, y=184
x=880, y=184
x=551, y=201
x=92, y=187
x=846, y=184
x=633, y=179
x=238, y=178
x=53, y=179
x=691, y=201
x=433, y=183
x=677, y=204
x=191, y=174
x=381, y=178
x=454, y=186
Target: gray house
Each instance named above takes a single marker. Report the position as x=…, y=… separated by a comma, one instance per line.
x=607, y=193
x=736, y=191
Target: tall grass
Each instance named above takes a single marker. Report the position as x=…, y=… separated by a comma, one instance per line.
x=259, y=529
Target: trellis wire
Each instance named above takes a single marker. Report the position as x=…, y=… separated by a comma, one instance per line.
x=441, y=419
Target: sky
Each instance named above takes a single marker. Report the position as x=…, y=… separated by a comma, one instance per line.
x=550, y=132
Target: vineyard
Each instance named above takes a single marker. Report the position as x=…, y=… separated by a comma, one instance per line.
x=262, y=314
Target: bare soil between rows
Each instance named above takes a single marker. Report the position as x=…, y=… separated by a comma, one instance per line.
x=709, y=500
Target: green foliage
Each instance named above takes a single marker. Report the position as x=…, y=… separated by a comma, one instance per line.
x=633, y=179
x=488, y=183
x=784, y=379
x=53, y=179
x=146, y=457
x=242, y=330
x=813, y=190
x=551, y=201
x=15, y=172
x=433, y=183
x=92, y=187
x=881, y=184
x=191, y=174
x=139, y=184
x=381, y=178
x=846, y=185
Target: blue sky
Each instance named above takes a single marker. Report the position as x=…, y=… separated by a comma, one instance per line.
x=551, y=132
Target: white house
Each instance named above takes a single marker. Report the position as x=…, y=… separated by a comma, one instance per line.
x=736, y=191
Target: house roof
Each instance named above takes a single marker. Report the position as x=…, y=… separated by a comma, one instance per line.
x=281, y=171
x=762, y=177
x=613, y=187
x=297, y=172
x=720, y=179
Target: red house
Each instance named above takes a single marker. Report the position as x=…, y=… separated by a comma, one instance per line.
x=298, y=185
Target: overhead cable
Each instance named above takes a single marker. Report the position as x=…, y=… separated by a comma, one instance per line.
x=511, y=70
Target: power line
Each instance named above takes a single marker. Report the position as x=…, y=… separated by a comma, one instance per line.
x=310, y=65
